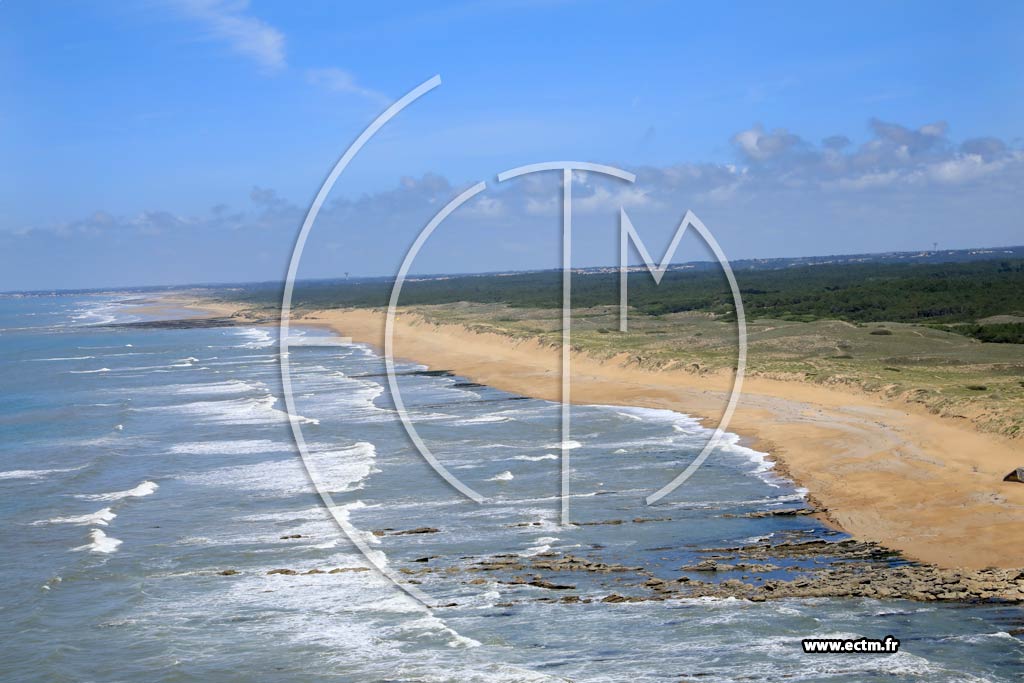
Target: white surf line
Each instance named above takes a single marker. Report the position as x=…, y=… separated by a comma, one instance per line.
x=286, y=306
x=315, y=341
x=567, y=168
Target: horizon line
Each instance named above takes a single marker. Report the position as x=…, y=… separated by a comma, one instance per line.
x=422, y=276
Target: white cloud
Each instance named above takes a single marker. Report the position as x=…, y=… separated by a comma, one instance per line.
x=901, y=188
x=228, y=21
x=722, y=193
x=758, y=145
x=968, y=167
x=334, y=79
x=865, y=181
x=546, y=206
x=604, y=199
x=485, y=207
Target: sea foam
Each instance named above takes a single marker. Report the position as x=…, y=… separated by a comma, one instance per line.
x=233, y=447
x=101, y=543
x=144, y=489
x=100, y=517
x=535, y=458
x=332, y=470
x=256, y=338
x=36, y=474
x=239, y=411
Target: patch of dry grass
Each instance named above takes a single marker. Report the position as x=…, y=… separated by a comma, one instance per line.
x=949, y=374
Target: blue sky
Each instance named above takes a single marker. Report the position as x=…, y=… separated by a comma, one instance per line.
x=181, y=141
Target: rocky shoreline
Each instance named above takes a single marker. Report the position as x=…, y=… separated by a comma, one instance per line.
x=857, y=570
x=853, y=569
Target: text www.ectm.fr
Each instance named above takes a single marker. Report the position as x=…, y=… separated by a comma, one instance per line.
x=885, y=646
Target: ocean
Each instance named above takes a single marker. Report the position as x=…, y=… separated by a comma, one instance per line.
x=149, y=482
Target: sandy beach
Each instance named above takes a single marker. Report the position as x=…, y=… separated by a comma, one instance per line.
x=915, y=482
x=884, y=471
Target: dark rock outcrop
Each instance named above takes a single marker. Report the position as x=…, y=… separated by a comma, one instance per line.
x=417, y=530
x=1017, y=475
